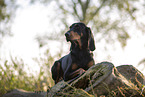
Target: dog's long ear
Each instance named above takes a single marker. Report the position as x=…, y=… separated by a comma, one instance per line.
x=91, y=42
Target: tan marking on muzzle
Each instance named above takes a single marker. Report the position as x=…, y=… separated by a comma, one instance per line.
x=74, y=35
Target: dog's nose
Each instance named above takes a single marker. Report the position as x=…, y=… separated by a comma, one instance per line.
x=67, y=34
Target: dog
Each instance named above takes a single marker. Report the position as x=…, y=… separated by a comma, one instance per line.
x=80, y=57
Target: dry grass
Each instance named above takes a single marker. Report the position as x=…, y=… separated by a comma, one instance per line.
x=134, y=91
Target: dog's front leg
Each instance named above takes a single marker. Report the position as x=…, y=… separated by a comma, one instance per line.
x=74, y=74
x=57, y=72
x=78, y=72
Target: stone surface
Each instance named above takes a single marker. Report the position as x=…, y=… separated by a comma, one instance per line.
x=23, y=93
x=103, y=78
x=131, y=73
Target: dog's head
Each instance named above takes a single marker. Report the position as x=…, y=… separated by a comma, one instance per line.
x=80, y=36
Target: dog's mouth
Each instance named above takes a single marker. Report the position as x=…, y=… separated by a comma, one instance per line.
x=67, y=39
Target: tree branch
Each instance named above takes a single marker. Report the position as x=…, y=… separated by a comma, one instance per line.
x=75, y=10
x=84, y=7
x=98, y=9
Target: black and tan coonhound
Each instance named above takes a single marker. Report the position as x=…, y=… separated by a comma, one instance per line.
x=80, y=57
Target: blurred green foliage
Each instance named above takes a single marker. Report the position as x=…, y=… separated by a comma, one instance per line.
x=14, y=75
x=109, y=19
x=7, y=14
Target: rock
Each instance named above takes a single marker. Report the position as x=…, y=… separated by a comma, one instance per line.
x=131, y=74
x=23, y=93
x=103, y=79
x=116, y=81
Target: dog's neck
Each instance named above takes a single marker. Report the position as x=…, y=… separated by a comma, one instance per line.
x=77, y=50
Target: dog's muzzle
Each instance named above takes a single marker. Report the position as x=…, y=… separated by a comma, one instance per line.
x=67, y=35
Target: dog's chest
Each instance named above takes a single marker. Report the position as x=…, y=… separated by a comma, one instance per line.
x=82, y=59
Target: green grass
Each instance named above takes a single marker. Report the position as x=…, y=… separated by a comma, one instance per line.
x=14, y=76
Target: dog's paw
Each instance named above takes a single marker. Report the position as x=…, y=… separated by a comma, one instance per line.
x=81, y=71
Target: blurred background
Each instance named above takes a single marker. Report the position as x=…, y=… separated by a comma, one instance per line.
x=32, y=37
